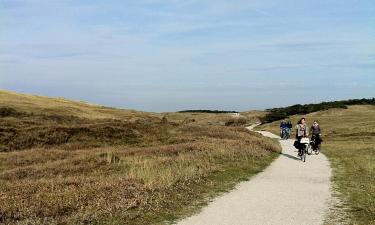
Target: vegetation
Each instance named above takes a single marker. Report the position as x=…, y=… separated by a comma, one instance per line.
x=64, y=162
x=282, y=113
x=349, y=143
x=219, y=119
x=236, y=121
x=206, y=111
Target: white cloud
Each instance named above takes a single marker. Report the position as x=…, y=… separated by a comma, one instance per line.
x=164, y=44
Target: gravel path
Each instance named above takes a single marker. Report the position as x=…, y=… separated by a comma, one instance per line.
x=287, y=192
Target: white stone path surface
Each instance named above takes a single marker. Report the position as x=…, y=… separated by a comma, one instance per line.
x=289, y=191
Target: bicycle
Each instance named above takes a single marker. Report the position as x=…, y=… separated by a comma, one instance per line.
x=285, y=135
x=314, y=146
x=304, y=147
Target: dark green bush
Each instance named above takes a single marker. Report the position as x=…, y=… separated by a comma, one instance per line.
x=284, y=112
x=7, y=111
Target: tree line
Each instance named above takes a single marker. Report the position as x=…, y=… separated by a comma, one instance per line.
x=284, y=112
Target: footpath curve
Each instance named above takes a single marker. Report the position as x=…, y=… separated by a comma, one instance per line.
x=288, y=192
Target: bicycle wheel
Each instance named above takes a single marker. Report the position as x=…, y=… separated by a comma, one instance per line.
x=303, y=157
x=317, y=150
x=309, y=150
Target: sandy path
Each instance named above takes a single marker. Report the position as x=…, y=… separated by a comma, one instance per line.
x=287, y=192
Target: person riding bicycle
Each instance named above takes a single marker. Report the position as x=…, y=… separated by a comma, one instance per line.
x=316, y=133
x=289, y=125
x=283, y=127
x=301, y=132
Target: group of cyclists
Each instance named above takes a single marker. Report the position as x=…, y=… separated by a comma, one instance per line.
x=285, y=129
x=302, y=131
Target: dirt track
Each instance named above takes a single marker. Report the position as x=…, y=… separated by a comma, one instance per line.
x=287, y=192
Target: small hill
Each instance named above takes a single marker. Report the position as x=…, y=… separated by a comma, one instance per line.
x=63, y=107
x=29, y=121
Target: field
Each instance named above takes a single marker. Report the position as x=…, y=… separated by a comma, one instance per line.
x=349, y=143
x=65, y=162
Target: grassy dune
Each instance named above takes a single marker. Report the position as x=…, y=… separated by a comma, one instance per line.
x=349, y=143
x=63, y=107
x=64, y=162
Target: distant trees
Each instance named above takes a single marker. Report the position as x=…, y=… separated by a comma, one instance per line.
x=284, y=112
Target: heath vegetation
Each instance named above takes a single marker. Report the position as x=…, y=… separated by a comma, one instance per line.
x=65, y=162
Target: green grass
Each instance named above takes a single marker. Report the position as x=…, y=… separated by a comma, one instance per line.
x=349, y=143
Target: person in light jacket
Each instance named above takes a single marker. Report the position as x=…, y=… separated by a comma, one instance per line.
x=301, y=132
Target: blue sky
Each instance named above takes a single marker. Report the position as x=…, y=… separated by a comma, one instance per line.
x=167, y=55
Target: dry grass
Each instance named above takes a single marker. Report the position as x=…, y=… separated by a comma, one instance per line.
x=117, y=167
x=41, y=105
x=349, y=136
x=220, y=119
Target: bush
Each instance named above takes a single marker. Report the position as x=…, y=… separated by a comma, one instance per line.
x=7, y=111
x=236, y=121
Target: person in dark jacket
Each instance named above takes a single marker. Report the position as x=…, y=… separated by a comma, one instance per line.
x=289, y=125
x=283, y=126
x=316, y=133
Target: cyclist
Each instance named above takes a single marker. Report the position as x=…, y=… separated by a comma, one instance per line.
x=289, y=125
x=315, y=134
x=283, y=126
x=301, y=132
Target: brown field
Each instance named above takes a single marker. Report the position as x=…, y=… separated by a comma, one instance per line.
x=64, y=162
x=349, y=143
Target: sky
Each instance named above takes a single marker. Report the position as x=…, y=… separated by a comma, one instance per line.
x=169, y=55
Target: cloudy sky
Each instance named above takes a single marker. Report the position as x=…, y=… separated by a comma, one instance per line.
x=167, y=55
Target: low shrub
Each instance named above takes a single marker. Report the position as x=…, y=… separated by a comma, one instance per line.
x=236, y=121
x=8, y=111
